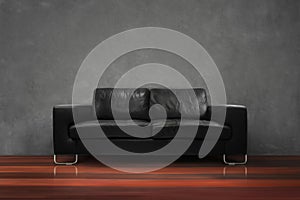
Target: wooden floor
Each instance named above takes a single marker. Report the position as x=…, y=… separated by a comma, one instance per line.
x=262, y=178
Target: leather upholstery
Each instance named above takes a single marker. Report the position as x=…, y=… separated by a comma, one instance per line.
x=110, y=129
x=236, y=118
x=138, y=103
x=62, y=120
x=170, y=128
x=233, y=139
x=189, y=108
x=167, y=130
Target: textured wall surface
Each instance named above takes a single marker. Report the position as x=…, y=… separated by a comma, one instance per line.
x=256, y=45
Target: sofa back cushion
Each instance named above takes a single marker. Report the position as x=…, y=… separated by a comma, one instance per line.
x=168, y=100
x=138, y=103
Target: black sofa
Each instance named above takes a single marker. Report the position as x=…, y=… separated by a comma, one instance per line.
x=232, y=141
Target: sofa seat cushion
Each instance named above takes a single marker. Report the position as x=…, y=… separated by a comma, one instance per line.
x=171, y=126
x=90, y=129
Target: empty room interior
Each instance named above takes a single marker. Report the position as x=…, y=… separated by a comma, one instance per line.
x=150, y=99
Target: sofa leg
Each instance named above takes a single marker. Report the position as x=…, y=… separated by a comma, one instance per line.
x=235, y=163
x=65, y=163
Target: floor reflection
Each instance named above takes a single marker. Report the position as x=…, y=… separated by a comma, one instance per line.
x=217, y=172
x=70, y=169
x=235, y=170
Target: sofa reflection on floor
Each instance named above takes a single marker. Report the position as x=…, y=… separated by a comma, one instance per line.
x=157, y=132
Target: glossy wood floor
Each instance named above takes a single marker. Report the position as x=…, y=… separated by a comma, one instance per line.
x=262, y=178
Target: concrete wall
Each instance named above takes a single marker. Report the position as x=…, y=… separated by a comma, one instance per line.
x=256, y=45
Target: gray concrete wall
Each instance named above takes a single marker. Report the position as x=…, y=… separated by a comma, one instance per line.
x=256, y=45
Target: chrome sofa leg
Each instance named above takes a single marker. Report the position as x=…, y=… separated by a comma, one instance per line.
x=65, y=163
x=235, y=163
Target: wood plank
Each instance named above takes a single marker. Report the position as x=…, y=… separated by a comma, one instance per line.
x=264, y=177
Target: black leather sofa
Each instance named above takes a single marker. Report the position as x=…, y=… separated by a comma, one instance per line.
x=232, y=141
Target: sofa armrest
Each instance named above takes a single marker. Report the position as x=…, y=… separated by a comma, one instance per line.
x=62, y=120
x=236, y=119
